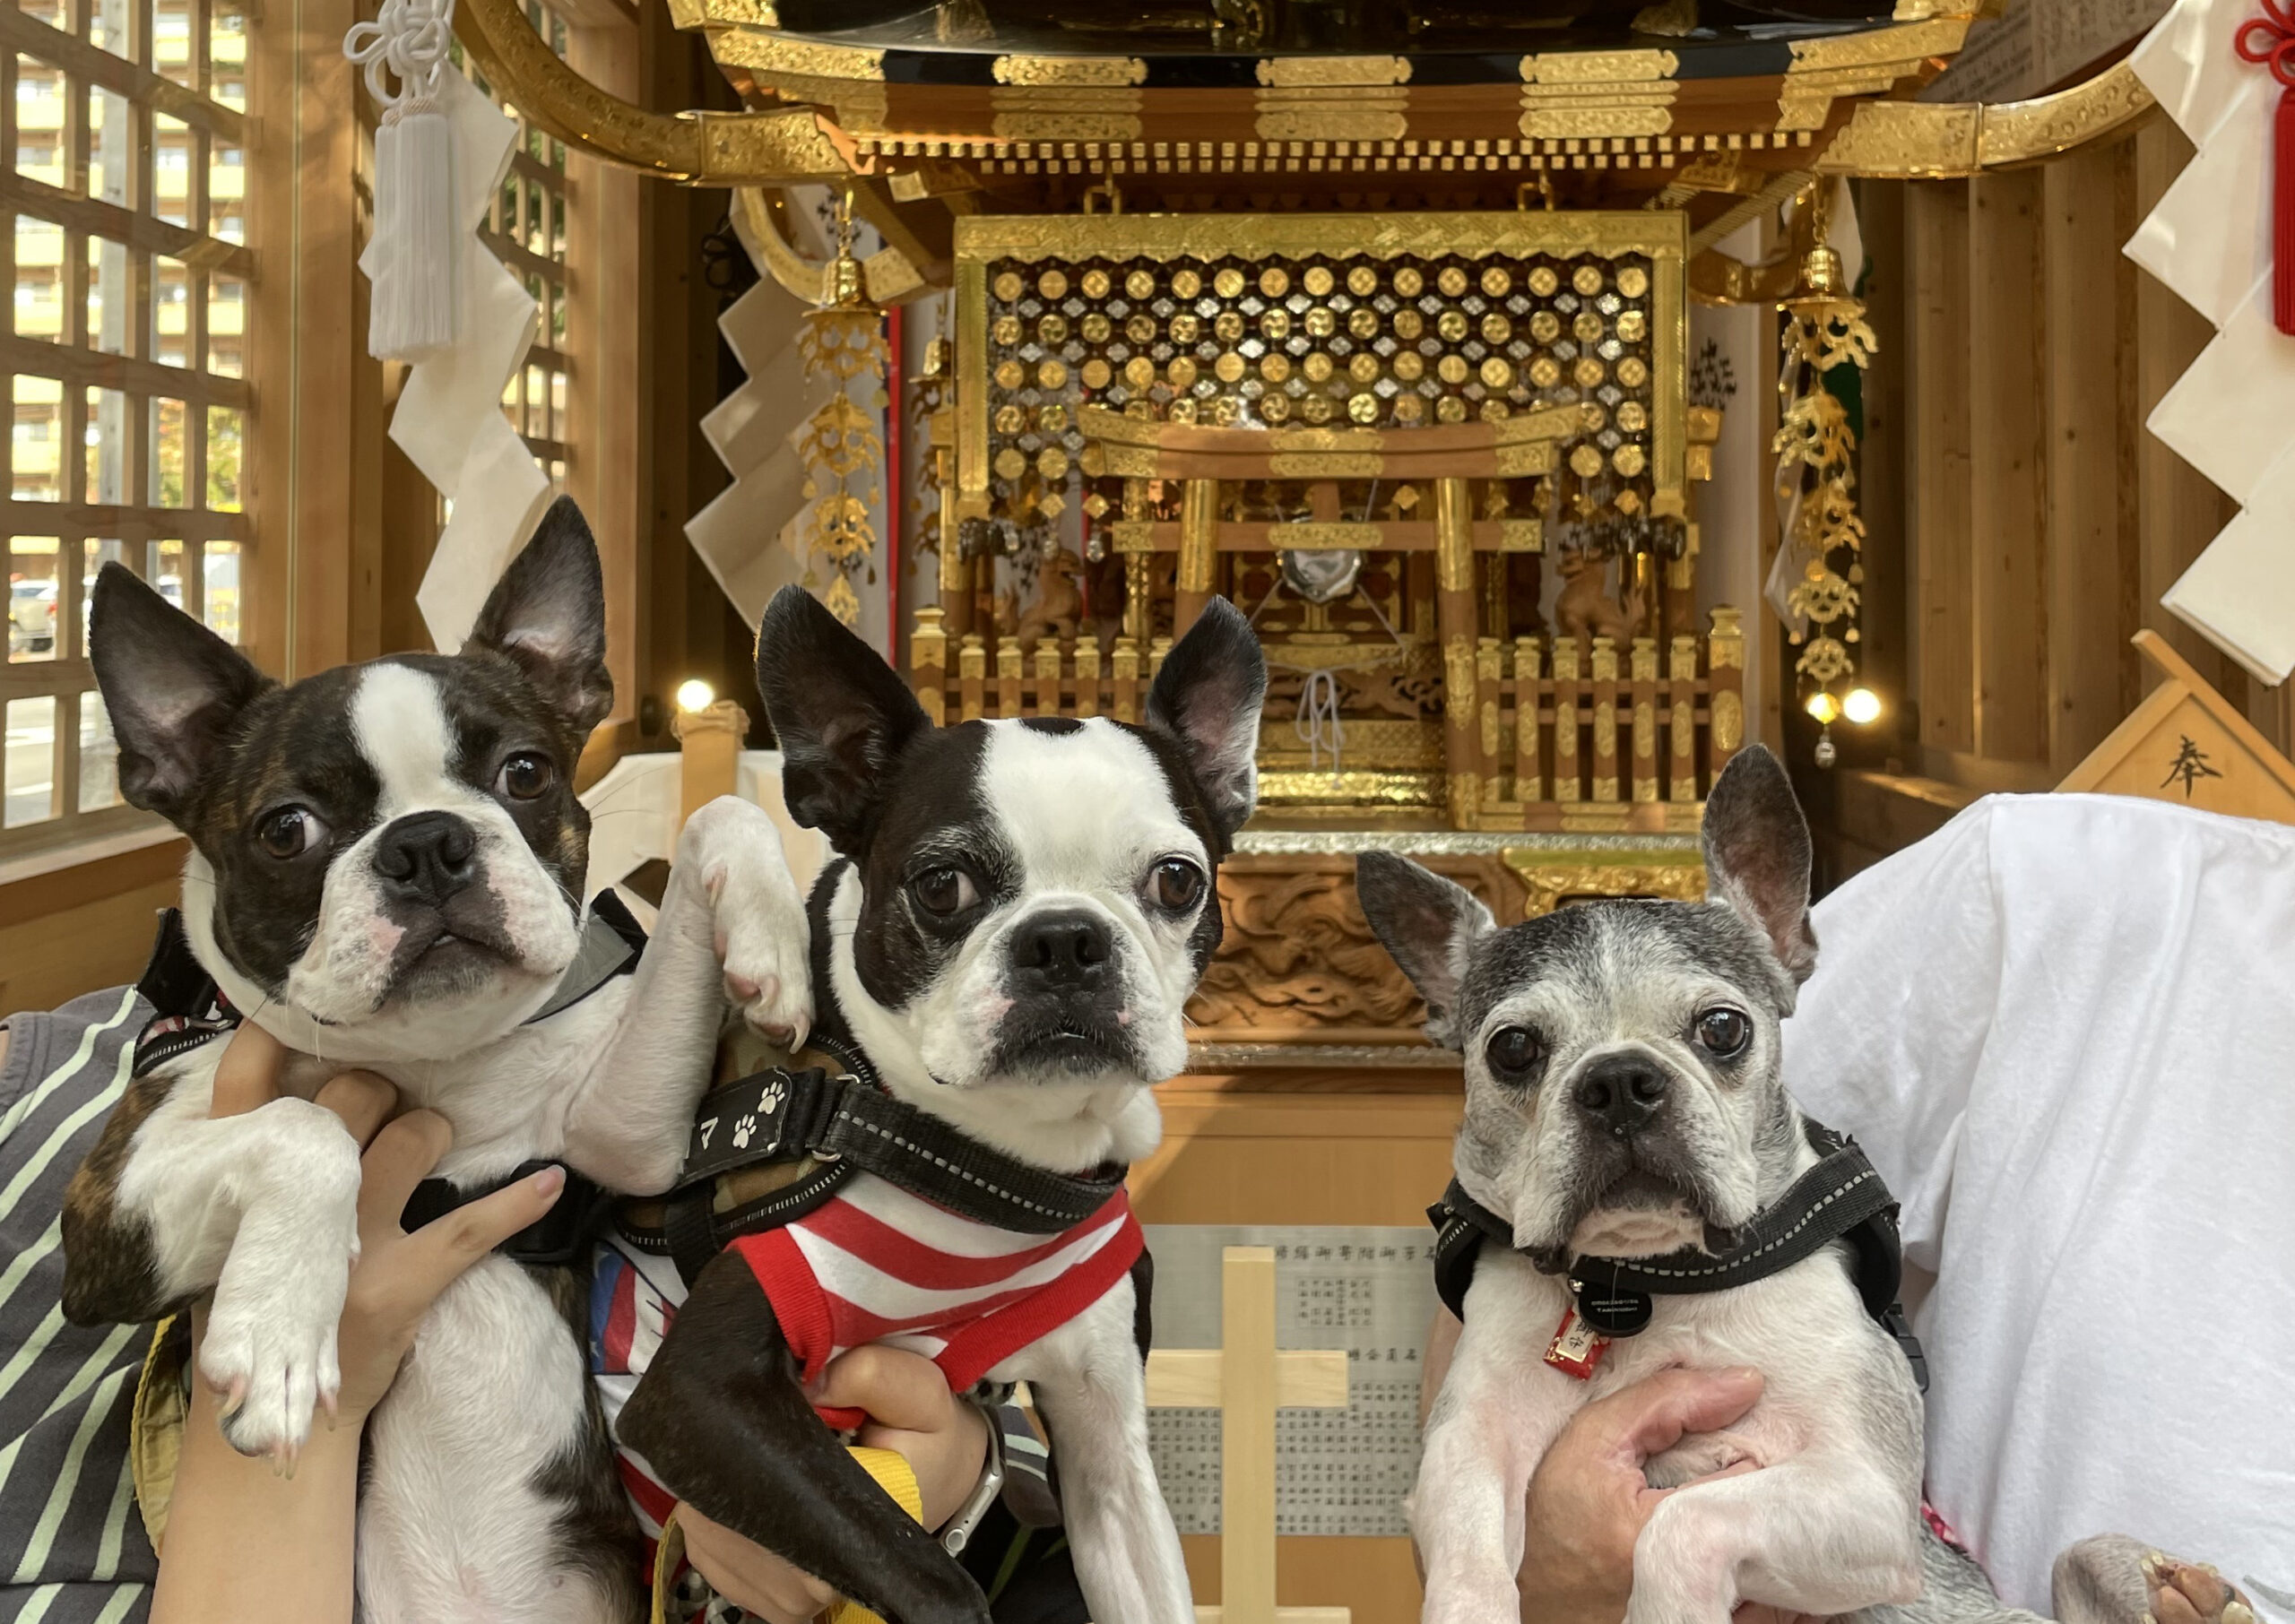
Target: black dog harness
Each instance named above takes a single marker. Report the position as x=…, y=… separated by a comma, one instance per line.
x=822, y=1124
x=189, y=1010
x=1840, y=1198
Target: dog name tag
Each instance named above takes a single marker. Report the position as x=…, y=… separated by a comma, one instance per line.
x=1577, y=1347
x=1614, y=1310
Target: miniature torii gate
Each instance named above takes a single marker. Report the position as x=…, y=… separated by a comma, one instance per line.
x=1247, y=1381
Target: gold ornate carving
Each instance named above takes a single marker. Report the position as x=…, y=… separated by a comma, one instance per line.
x=887, y=275
x=1308, y=535
x=1033, y=120
x=1560, y=121
x=1325, y=114
x=1598, y=67
x=1909, y=139
x=1551, y=878
x=1299, y=962
x=1904, y=47
x=1325, y=465
x=1473, y=235
x=722, y=13
x=1290, y=71
x=1371, y=792
x=711, y=149
x=1728, y=720
x=802, y=58
x=1069, y=70
x=1458, y=673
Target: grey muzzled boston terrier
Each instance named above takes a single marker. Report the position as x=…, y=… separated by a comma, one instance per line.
x=1625, y=1099
x=386, y=873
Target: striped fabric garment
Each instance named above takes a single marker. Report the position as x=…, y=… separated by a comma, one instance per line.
x=73, y=1549
x=873, y=1264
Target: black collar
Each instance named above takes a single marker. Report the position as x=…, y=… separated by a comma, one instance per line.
x=1842, y=1198
x=837, y=1117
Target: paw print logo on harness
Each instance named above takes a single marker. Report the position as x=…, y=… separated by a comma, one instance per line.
x=769, y=1100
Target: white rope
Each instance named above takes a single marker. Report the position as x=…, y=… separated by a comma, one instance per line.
x=1318, y=724
x=409, y=40
x=415, y=269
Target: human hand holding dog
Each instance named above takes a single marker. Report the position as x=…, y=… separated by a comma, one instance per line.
x=243, y=1537
x=911, y=1412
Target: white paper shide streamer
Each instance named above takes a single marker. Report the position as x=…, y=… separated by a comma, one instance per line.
x=2232, y=415
x=443, y=301
x=410, y=259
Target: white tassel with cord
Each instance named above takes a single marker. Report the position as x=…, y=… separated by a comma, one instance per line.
x=413, y=259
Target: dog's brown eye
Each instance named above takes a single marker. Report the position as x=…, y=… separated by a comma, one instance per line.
x=1176, y=884
x=525, y=776
x=288, y=831
x=1513, y=1052
x=944, y=890
x=1724, y=1032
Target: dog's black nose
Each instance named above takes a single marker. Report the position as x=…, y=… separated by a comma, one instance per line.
x=1622, y=1092
x=1066, y=949
x=426, y=856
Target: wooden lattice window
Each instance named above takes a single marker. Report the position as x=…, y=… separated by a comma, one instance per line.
x=527, y=227
x=125, y=357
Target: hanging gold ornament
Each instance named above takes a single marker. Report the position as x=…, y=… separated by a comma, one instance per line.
x=1815, y=449
x=843, y=343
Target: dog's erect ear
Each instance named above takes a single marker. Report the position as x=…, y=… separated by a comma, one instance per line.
x=1207, y=697
x=1757, y=856
x=170, y=686
x=548, y=614
x=1429, y=925
x=842, y=715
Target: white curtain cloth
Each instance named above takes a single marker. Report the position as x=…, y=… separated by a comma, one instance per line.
x=2059, y=1027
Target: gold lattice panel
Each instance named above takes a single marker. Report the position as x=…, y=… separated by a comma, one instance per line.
x=1396, y=323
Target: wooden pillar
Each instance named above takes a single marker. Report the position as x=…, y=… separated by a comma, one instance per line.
x=1939, y=471
x=1199, y=553
x=2091, y=539
x=955, y=569
x=709, y=746
x=1247, y=1436
x=1725, y=681
x=2007, y=337
x=1454, y=608
x=928, y=663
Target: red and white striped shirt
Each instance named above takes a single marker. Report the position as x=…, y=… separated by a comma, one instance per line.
x=873, y=1264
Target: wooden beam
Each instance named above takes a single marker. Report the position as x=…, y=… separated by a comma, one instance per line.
x=2081, y=235
x=1247, y=1434
x=1939, y=514
x=1188, y=1378
x=2008, y=334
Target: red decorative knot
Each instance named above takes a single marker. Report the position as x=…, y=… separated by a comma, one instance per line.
x=2269, y=40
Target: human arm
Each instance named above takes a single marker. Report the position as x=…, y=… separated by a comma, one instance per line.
x=243, y=1541
x=1588, y=1498
x=911, y=1412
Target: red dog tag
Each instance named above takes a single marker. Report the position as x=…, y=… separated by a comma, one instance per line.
x=1577, y=1347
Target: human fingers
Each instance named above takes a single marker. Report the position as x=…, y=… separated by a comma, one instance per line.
x=247, y=1076
x=1657, y=1412
x=748, y=1574
x=436, y=1254
x=362, y=1100
x=401, y=1157
x=895, y=1389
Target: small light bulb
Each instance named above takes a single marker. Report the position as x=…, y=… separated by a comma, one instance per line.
x=1863, y=705
x=695, y=695
x=1824, y=707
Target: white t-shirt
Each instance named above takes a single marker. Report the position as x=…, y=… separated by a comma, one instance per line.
x=2063, y=1028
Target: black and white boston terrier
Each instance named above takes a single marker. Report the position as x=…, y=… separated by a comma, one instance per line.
x=1016, y=915
x=386, y=872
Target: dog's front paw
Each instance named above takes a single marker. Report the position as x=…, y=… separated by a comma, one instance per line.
x=269, y=1348
x=761, y=934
